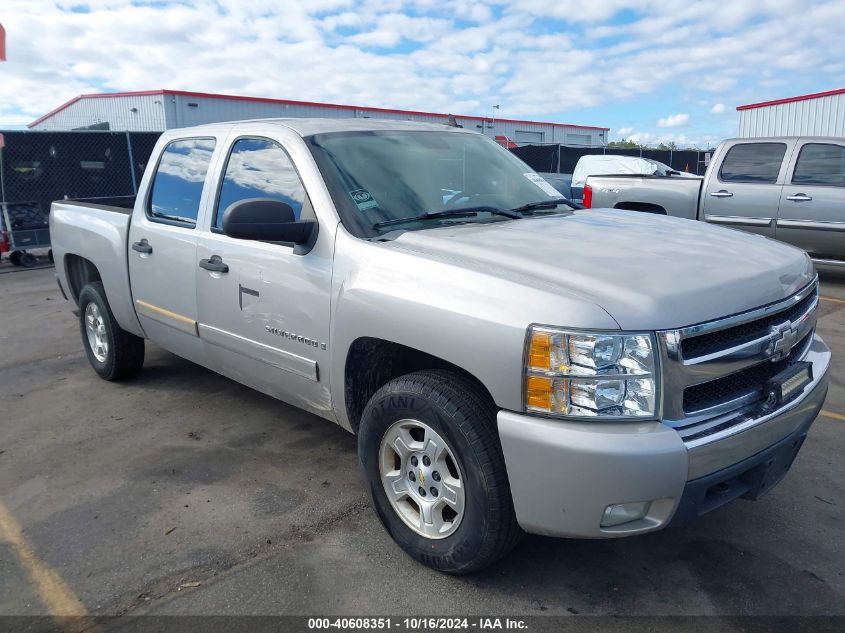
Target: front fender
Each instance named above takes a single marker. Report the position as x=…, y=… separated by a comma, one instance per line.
x=476, y=320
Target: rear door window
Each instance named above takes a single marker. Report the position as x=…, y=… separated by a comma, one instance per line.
x=753, y=162
x=178, y=181
x=820, y=164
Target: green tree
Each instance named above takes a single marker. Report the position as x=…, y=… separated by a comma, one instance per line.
x=624, y=144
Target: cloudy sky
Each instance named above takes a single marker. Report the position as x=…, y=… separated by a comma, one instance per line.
x=666, y=70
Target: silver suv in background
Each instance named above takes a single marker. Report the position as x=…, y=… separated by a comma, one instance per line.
x=788, y=188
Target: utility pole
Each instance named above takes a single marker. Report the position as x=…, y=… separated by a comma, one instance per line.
x=493, y=121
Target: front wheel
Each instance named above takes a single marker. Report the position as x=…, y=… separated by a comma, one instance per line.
x=431, y=457
x=113, y=352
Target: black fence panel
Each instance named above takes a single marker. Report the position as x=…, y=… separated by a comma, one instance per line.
x=142, y=144
x=40, y=167
x=616, y=151
x=685, y=160
x=660, y=155
x=542, y=158
x=569, y=156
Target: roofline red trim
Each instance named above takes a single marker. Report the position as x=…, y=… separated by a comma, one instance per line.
x=336, y=106
x=815, y=95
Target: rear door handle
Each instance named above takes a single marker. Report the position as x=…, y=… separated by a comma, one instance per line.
x=721, y=194
x=800, y=197
x=215, y=264
x=143, y=247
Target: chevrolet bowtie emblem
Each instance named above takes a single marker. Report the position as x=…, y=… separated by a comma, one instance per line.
x=782, y=339
x=421, y=477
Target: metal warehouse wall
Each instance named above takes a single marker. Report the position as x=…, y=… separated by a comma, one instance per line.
x=117, y=112
x=190, y=110
x=823, y=116
x=159, y=112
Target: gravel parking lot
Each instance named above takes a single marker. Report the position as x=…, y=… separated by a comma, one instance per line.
x=185, y=493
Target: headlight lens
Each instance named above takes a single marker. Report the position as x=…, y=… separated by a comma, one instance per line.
x=584, y=374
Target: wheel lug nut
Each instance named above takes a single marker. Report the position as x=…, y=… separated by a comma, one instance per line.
x=412, y=476
x=433, y=491
x=435, y=475
x=414, y=461
x=426, y=461
x=422, y=491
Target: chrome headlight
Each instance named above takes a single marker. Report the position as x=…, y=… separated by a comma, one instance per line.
x=590, y=374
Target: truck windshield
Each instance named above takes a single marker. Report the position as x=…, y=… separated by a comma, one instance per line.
x=377, y=178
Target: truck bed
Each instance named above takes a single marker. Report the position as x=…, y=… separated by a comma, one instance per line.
x=677, y=196
x=116, y=204
x=99, y=228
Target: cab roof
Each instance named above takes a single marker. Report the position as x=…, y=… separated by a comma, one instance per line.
x=310, y=126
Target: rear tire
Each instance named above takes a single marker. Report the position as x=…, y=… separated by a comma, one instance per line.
x=28, y=260
x=429, y=409
x=15, y=258
x=114, y=353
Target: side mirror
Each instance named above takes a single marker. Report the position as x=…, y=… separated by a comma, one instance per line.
x=268, y=221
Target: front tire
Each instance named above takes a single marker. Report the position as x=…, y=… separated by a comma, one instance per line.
x=114, y=353
x=431, y=457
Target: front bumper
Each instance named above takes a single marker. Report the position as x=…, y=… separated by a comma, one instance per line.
x=563, y=475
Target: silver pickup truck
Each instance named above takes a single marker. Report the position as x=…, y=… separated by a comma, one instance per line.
x=788, y=188
x=507, y=362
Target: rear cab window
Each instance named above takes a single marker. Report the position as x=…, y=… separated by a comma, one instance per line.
x=178, y=182
x=820, y=164
x=758, y=163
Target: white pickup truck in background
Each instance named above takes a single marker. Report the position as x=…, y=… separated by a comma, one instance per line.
x=788, y=188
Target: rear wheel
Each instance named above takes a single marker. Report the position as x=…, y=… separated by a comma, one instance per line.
x=28, y=260
x=15, y=258
x=431, y=457
x=113, y=352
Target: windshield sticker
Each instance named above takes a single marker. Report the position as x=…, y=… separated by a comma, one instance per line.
x=363, y=200
x=541, y=182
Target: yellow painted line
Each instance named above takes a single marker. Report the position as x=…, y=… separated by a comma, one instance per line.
x=832, y=415
x=56, y=596
x=832, y=299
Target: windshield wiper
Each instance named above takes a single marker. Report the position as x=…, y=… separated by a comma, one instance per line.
x=465, y=212
x=547, y=204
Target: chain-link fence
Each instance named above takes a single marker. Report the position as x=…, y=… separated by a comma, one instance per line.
x=39, y=167
x=562, y=159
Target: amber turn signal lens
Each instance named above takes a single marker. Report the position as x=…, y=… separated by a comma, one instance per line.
x=538, y=392
x=540, y=351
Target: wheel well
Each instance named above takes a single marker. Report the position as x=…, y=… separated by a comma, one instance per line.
x=373, y=362
x=645, y=207
x=80, y=271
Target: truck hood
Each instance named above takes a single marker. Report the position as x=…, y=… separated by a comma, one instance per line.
x=649, y=272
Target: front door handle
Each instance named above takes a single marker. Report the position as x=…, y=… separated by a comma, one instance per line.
x=800, y=197
x=143, y=247
x=215, y=264
x=721, y=194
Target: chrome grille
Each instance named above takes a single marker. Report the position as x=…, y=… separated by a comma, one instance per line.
x=711, y=342
x=742, y=383
x=714, y=371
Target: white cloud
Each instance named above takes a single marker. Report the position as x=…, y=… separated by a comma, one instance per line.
x=674, y=120
x=444, y=55
x=624, y=131
x=718, y=108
